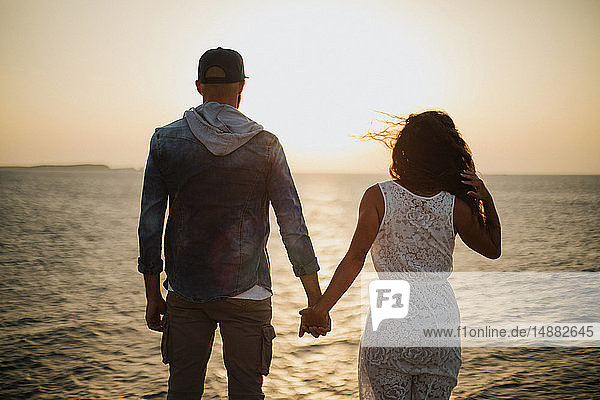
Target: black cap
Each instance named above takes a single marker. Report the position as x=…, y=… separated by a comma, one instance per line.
x=228, y=60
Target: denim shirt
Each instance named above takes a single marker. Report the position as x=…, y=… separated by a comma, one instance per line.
x=218, y=220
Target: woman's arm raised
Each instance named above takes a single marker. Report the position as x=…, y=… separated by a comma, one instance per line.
x=484, y=238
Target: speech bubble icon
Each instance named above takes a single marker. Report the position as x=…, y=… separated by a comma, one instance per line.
x=389, y=300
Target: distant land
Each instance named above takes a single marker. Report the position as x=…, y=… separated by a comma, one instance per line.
x=86, y=167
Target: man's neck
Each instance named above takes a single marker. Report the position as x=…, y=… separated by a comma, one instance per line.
x=230, y=102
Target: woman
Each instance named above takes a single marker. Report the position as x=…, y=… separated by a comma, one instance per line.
x=409, y=224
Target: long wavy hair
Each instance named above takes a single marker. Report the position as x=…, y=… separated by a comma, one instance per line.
x=428, y=154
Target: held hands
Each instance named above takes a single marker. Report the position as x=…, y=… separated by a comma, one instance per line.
x=314, y=322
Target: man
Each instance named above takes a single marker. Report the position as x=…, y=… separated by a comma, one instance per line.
x=219, y=171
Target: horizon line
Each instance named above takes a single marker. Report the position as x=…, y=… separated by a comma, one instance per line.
x=296, y=171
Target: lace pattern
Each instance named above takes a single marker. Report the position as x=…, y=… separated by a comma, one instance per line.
x=382, y=383
x=416, y=235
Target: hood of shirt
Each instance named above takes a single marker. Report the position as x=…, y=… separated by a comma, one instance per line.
x=221, y=127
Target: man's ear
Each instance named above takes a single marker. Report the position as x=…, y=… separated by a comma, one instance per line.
x=242, y=83
x=198, y=87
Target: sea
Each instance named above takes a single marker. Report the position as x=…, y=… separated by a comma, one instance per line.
x=72, y=302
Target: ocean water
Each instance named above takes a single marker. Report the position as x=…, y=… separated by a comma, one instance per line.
x=72, y=301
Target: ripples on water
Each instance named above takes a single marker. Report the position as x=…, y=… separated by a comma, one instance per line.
x=73, y=303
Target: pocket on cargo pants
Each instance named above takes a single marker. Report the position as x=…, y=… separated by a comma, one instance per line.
x=165, y=339
x=268, y=334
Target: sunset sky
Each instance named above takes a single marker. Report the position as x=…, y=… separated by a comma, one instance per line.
x=88, y=81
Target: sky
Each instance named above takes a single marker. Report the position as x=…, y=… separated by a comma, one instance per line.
x=89, y=81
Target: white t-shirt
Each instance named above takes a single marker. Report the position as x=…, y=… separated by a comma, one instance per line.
x=256, y=292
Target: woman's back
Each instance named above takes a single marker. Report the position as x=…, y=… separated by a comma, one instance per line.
x=413, y=236
x=416, y=233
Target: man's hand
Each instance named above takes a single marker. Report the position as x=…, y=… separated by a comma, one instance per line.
x=154, y=309
x=314, y=322
x=155, y=304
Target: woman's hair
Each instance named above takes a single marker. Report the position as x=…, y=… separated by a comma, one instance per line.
x=428, y=154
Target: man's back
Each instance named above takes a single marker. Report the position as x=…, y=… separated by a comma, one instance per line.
x=221, y=170
x=218, y=171
x=217, y=227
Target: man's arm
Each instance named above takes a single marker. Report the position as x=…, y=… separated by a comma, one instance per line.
x=292, y=227
x=310, y=282
x=286, y=203
x=152, y=216
x=313, y=292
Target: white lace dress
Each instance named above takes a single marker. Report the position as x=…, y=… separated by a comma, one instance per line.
x=416, y=237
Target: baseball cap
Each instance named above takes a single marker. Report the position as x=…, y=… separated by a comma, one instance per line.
x=228, y=60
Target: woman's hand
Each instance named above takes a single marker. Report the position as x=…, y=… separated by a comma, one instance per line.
x=479, y=191
x=482, y=236
x=314, y=322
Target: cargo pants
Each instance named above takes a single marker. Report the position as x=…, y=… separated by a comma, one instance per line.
x=188, y=335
